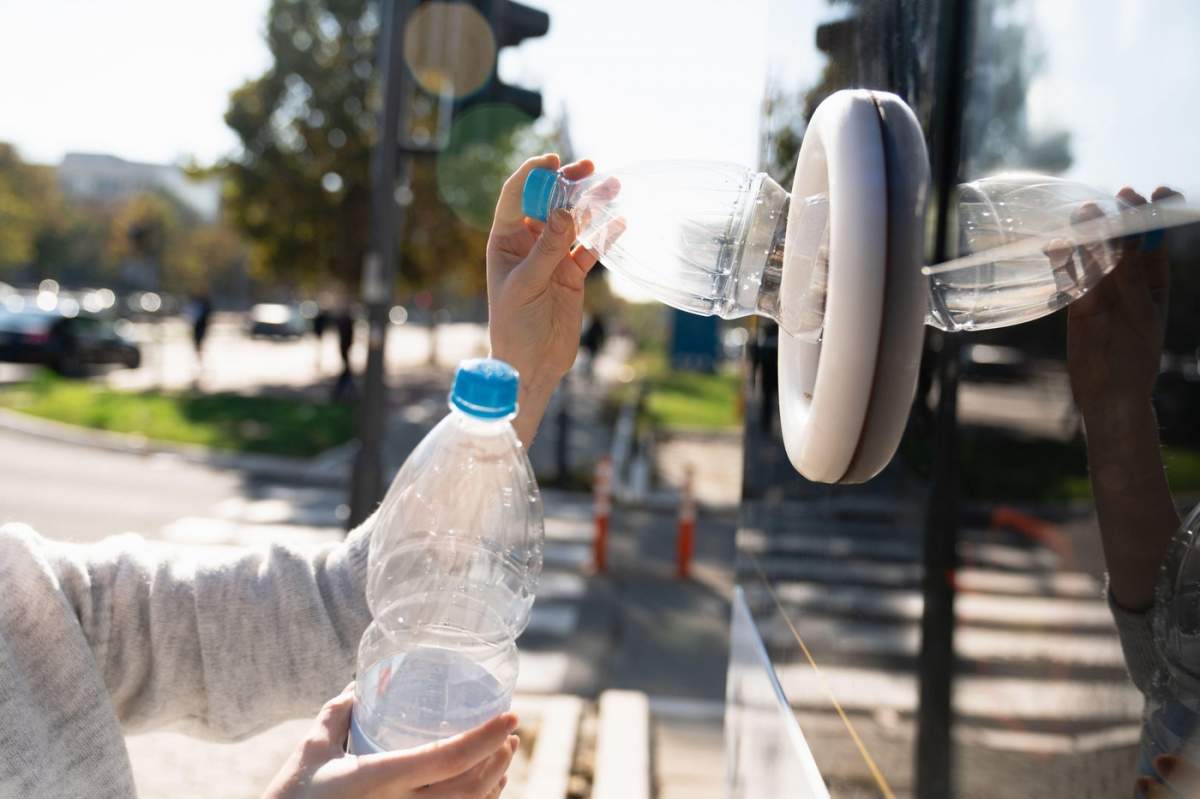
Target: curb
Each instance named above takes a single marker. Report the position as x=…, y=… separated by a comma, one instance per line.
x=623, y=746
x=321, y=471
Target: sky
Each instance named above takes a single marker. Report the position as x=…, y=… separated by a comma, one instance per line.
x=637, y=79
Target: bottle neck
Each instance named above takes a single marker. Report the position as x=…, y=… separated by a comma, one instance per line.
x=758, y=266
x=780, y=225
x=480, y=425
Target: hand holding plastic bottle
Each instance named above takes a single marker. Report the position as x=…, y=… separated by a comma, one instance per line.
x=1116, y=330
x=471, y=764
x=535, y=291
x=1114, y=343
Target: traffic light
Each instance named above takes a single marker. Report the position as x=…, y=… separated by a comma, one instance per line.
x=512, y=23
x=451, y=50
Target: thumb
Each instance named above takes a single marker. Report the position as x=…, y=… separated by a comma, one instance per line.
x=553, y=245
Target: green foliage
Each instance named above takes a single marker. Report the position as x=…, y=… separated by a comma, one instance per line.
x=300, y=189
x=267, y=425
x=27, y=199
x=694, y=400
x=1005, y=57
x=44, y=234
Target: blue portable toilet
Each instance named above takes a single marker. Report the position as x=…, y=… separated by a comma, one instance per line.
x=695, y=342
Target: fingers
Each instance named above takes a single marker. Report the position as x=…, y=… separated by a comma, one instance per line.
x=579, y=169
x=1158, y=269
x=1141, y=276
x=1091, y=256
x=333, y=722
x=440, y=761
x=508, y=207
x=1178, y=775
x=483, y=779
x=603, y=193
x=499, y=789
x=552, y=246
x=588, y=253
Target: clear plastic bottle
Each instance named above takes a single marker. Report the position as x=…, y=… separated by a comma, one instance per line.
x=1172, y=718
x=709, y=238
x=454, y=563
x=706, y=238
x=1021, y=233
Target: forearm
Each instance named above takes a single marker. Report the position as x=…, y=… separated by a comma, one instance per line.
x=532, y=404
x=1133, y=500
x=230, y=644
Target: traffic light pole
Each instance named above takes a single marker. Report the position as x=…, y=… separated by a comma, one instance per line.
x=935, y=661
x=389, y=169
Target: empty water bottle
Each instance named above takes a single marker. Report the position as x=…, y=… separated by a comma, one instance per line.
x=454, y=563
x=709, y=238
x=702, y=237
x=1029, y=250
x=1172, y=720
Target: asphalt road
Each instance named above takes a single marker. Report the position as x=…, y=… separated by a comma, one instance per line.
x=83, y=494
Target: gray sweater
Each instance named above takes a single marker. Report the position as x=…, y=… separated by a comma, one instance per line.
x=122, y=636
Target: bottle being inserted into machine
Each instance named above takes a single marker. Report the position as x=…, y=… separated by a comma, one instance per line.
x=708, y=238
x=837, y=262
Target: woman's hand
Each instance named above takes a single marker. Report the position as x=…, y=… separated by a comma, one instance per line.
x=467, y=766
x=535, y=292
x=1114, y=344
x=1115, y=337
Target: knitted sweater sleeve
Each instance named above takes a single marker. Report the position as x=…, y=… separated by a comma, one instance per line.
x=228, y=644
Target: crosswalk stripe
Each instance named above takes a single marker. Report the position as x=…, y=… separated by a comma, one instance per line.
x=1025, y=699
x=548, y=618
x=906, y=575
x=834, y=637
x=568, y=555
x=973, y=553
x=820, y=724
x=905, y=605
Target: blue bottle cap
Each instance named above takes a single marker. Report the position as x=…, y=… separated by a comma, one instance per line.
x=485, y=388
x=539, y=187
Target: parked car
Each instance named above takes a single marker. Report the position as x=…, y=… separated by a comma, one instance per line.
x=275, y=320
x=70, y=345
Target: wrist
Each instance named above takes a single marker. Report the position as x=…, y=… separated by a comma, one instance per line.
x=531, y=407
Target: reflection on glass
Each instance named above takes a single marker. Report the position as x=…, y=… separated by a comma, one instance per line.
x=1043, y=704
x=766, y=749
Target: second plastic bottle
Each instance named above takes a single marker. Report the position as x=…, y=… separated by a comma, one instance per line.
x=454, y=562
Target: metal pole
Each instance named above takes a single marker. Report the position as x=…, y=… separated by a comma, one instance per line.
x=561, y=449
x=379, y=265
x=935, y=663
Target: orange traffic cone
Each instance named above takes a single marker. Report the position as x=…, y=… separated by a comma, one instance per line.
x=685, y=540
x=602, y=508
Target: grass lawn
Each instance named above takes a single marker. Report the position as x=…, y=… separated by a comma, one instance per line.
x=998, y=465
x=265, y=425
x=693, y=400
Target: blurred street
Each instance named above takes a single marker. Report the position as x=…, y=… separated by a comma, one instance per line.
x=234, y=361
x=634, y=628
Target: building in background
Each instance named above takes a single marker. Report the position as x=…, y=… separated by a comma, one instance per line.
x=103, y=177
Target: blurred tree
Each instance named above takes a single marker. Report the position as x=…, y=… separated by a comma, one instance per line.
x=27, y=200
x=300, y=187
x=210, y=259
x=996, y=130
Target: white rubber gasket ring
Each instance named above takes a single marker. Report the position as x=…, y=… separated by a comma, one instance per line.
x=906, y=296
x=825, y=387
